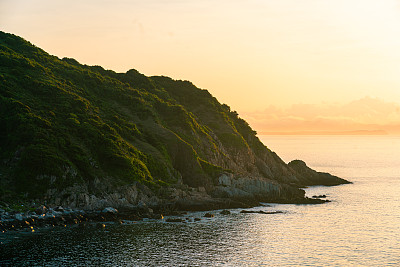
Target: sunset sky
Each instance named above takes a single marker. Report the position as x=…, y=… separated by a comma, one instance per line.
x=258, y=56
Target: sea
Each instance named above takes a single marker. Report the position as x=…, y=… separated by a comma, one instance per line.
x=359, y=227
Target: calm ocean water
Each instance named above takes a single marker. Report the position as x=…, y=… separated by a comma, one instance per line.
x=360, y=227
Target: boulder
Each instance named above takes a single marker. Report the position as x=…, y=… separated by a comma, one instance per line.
x=261, y=211
x=225, y=179
x=19, y=217
x=157, y=216
x=201, y=189
x=49, y=216
x=225, y=212
x=41, y=210
x=59, y=209
x=143, y=208
x=319, y=196
x=110, y=210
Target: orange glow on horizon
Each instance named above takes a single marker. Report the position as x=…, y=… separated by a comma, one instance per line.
x=248, y=54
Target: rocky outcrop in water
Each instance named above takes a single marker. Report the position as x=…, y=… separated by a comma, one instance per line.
x=261, y=212
x=312, y=177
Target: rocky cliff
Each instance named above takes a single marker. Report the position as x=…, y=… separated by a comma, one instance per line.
x=82, y=136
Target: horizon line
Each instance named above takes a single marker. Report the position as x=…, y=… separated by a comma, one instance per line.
x=355, y=132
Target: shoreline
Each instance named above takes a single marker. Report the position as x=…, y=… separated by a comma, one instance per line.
x=44, y=217
x=136, y=202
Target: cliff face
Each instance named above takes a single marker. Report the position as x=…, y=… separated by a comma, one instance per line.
x=80, y=135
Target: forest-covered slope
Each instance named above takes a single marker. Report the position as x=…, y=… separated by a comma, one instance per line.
x=78, y=135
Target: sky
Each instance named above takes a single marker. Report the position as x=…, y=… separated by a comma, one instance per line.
x=366, y=116
x=251, y=55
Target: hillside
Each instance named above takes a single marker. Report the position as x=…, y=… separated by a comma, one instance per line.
x=83, y=136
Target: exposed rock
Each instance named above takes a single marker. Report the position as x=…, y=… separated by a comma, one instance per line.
x=49, y=216
x=204, y=203
x=202, y=189
x=41, y=210
x=311, y=177
x=157, y=216
x=142, y=206
x=225, y=212
x=301, y=201
x=110, y=210
x=59, y=209
x=246, y=188
x=225, y=179
x=319, y=196
x=261, y=211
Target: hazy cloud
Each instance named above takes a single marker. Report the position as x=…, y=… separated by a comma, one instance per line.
x=367, y=114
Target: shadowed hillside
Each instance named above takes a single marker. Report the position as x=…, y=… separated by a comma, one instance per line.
x=80, y=135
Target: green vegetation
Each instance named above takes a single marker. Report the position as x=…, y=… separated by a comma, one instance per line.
x=64, y=123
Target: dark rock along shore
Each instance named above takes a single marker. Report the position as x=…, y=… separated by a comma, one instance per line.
x=80, y=139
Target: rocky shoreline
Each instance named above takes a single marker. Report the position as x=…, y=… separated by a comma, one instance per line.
x=104, y=140
x=43, y=216
x=51, y=217
x=81, y=204
x=134, y=202
x=227, y=191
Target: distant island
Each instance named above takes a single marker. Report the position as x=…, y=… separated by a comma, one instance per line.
x=84, y=137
